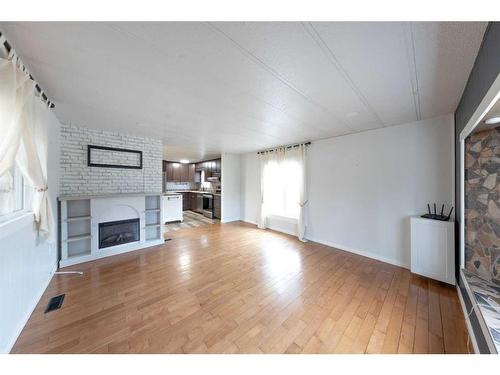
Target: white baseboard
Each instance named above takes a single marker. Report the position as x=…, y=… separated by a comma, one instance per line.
x=346, y=248
x=362, y=253
x=26, y=317
x=277, y=229
x=467, y=322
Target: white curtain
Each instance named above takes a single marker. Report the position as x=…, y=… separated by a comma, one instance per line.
x=300, y=154
x=24, y=127
x=283, y=186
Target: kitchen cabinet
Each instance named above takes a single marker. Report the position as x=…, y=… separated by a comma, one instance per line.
x=217, y=206
x=170, y=172
x=191, y=173
x=186, y=201
x=184, y=171
x=176, y=172
x=193, y=201
x=218, y=165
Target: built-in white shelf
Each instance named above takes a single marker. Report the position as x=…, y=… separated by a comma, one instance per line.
x=80, y=218
x=78, y=237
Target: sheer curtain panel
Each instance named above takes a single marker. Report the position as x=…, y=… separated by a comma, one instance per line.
x=283, y=186
x=23, y=125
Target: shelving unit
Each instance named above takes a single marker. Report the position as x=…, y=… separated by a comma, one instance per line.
x=76, y=228
x=153, y=218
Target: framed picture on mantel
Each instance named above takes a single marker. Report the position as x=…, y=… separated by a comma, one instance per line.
x=110, y=157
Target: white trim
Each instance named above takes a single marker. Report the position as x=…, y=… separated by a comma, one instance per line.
x=115, y=251
x=276, y=229
x=479, y=315
x=22, y=322
x=362, y=253
x=461, y=238
x=467, y=322
x=488, y=101
x=346, y=248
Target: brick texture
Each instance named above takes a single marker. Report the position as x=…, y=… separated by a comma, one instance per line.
x=79, y=179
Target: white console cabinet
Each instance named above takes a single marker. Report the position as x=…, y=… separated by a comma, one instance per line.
x=433, y=249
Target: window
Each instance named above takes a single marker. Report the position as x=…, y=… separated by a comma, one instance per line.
x=282, y=181
x=15, y=194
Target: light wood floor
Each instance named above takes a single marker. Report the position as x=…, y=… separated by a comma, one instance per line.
x=235, y=289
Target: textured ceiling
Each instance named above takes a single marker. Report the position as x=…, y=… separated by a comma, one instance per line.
x=207, y=88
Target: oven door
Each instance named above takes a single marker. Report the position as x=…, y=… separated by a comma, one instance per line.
x=208, y=205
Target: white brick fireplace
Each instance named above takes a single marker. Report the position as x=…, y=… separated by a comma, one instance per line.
x=92, y=195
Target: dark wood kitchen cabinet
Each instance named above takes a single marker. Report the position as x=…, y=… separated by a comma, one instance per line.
x=186, y=201
x=184, y=172
x=170, y=172
x=191, y=173
x=176, y=172
x=217, y=206
x=194, y=201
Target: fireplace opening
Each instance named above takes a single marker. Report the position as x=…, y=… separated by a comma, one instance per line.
x=115, y=233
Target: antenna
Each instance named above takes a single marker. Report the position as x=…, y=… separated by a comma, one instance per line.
x=442, y=208
x=434, y=208
x=429, y=208
x=449, y=215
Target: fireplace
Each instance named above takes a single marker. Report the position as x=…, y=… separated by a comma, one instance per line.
x=115, y=233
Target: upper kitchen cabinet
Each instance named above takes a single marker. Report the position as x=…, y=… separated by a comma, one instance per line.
x=184, y=172
x=191, y=173
x=212, y=168
x=177, y=172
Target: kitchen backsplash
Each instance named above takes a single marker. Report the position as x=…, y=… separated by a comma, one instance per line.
x=176, y=186
x=182, y=186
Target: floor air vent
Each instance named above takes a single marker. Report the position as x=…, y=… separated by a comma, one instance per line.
x=55, y=303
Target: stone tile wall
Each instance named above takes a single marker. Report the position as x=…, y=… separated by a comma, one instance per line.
x=482, y=204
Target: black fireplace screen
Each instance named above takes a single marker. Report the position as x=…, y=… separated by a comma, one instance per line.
x=118, y=232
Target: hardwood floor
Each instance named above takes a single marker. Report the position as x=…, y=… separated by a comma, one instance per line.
x=233, y=288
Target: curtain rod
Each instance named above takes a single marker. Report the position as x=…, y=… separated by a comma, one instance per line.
x=44, y=97
x=285, y=147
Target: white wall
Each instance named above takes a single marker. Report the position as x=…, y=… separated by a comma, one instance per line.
x=27, y=265
x=364, y=186
x=231, y=192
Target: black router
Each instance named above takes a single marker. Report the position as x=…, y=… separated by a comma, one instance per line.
x=435, y=216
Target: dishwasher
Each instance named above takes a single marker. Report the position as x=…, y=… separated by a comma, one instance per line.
x=172, y=208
